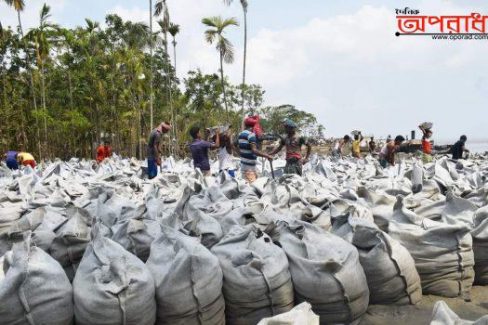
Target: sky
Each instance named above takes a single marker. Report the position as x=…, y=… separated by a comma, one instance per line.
x=339, y=60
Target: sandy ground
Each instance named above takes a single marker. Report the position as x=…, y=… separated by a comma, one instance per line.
x=421, y=313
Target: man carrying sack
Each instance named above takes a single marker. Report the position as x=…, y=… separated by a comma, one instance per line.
x=293, y=143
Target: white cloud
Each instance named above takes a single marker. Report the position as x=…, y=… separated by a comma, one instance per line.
x=352, y=72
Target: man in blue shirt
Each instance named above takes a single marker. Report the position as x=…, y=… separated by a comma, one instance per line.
x=11, y=160
x=248, y=151
x=199, y=150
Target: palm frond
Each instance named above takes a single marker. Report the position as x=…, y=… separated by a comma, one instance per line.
x=19, y=5
x=244, y=5
x=212, y=21
x=210, y=35
x=173, y=29
x=45, y=15
x=159, y=7
x=227, y=49
x=229, y=22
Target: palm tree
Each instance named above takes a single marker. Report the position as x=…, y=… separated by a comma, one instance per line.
x=41, y=37
x=161, y=8
x=226, y=50
x=19, y=6
x=244, y=5
x=174, y=29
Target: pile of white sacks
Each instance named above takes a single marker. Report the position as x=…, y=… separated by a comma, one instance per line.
x=103, y=245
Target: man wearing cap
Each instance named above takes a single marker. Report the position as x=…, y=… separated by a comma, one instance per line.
x=293, y=143
x=153, y=150
x=248, y=150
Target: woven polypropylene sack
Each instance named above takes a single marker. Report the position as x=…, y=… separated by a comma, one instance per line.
x=325, y=270
x=33, y=288
x=257, y=283
x=112, y=286
x=188, y=281
x=443, y=253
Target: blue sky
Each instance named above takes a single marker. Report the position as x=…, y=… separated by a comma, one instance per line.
x=337, y=59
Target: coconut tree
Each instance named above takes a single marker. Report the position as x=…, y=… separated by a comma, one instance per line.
x=244, y=5
x=215, y=33
x=173, y=30
x=19, y=6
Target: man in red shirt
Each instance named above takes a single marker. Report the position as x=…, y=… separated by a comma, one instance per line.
x=426, y=144
x=104, y=151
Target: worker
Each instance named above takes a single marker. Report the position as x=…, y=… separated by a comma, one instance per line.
x=293, y=143
x=11, y=160
x=459, y=148
x=339, y=146
x=224, y=154
x=248, y=150
x=153, y=149
x=356, y=145
x=199, y=150
x=26, y=159
x=426, y=144
x=372, y=146
x=387, y=153
x=104, y=151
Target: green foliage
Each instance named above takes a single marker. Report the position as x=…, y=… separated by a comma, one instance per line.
x=273, y=117
x=92, y=82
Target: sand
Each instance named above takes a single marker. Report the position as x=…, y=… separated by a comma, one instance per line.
x=422, y=312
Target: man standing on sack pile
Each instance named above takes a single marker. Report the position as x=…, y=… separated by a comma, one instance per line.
x=426, y=129
x=153, y=150
x=293, y=143
x=104, y=151
x=248, y=150
x=199, y=150
x=387, y=153
x=356, y=144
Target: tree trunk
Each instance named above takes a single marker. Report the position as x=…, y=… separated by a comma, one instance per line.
x=172, y=148
x=245, y=58
x=223, y=85
x=70, y=89
x=32, y=90
x=151, y=98
x=44, y=107
x=174, y=52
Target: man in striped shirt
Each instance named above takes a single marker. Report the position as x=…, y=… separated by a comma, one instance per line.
x=248, y=151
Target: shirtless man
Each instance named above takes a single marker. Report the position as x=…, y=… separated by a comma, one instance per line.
x=387, y=153
x=293, y=143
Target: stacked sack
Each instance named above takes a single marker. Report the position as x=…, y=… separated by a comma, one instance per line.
x=442, y=252
x=325, y=270
x=112, y=286
x=257, y=283
x=188, y=281
x=389, y=267
x=33, y=288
